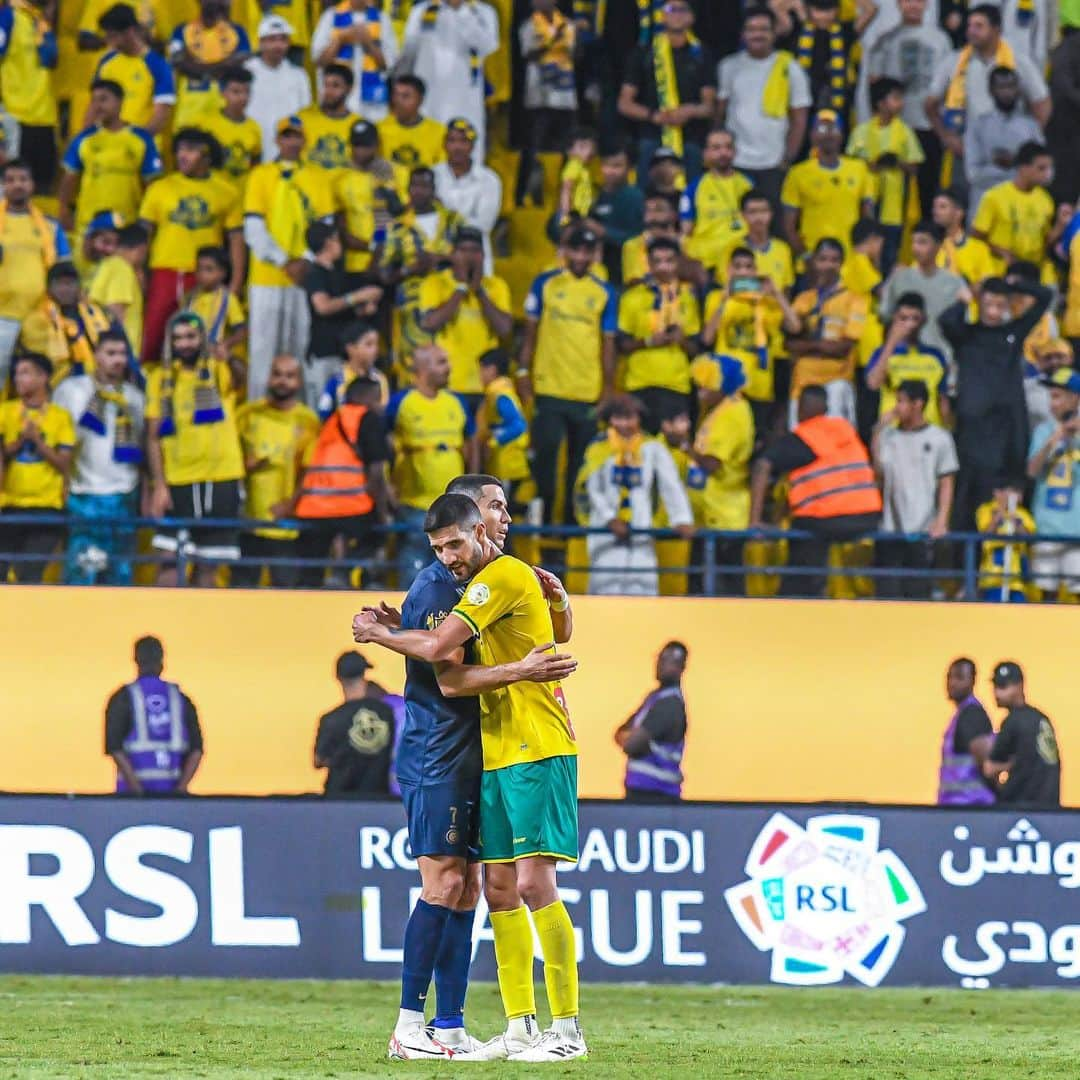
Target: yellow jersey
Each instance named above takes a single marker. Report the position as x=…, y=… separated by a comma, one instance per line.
x=113, y=169
x=710, y=206
x=28, y=51
x=504, y=431
x=727, y=434
x=429, y=439
x=467, y=336
x=1070, y=319
x=773, y=261
x=146, y=80
x=750, y=330
x=421, y=144
x=870, y=141
x=505, y=607
x=195, y=453
x=635, y=260
x=278, y=440
x=573, y=316
x=969, y=257
x=23, y=242
x=220, y=310
x=640, y=316
x=828, y=316
x=188, y=213
x=582, y=191
x=30, y=482
x=830, y=201
x=241, y=145
x=907, y=362
x=116, y=282
x=1004, y=559
x=261, y=200
x=1018, y=221
x=326, y=138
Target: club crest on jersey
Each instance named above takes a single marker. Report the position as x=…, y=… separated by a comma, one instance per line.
x=478, y=594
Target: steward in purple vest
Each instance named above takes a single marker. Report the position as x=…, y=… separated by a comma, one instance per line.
x=152, y=730
x=967, y=743
x=654, y=738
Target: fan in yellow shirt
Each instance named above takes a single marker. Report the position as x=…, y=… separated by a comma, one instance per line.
x=221, y=312
x=826, y=194
x=772, y=255
x=239, y=137
x=711, y=205
x=200, y=50
x=328, y=125
x=468, y=312
x=502, y=430
x=660, y=219
x=1016, y=218
x=960, y=253
x=407, y=138
x=28, y=53
x=116, y=286
x=577, y=193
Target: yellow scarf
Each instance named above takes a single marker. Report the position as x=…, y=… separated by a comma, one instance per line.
x=667, y=89
x=556, y=41
x=288, y=216
x=45, y=232
x=78, y=335
x=666, y=309
x=627, y=471
x=776, y=95
x=955, y=115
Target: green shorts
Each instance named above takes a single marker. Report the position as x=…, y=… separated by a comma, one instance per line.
x=530, y=809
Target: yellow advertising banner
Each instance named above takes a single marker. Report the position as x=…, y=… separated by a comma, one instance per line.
x=788, y=700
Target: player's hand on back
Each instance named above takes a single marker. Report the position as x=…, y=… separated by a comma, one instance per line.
x=543, y=665
x=385, y=615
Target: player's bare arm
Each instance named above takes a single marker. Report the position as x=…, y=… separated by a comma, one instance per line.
x=540, y=665
x=562, y=618
x=429, y=646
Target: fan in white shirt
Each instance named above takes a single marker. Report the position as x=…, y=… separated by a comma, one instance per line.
x=362, y=39
x=461, y=184
x=279, y=87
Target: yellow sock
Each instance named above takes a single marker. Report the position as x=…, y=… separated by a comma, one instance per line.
x=556, y=933
x=514, y=953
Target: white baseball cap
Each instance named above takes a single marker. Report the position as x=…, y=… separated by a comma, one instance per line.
x=274, y=24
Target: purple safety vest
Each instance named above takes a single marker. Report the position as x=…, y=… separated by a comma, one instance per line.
x=158, y=742
x=959, y=780
x=660, y=769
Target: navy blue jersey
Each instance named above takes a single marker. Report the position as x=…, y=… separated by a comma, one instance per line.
x=441, y=740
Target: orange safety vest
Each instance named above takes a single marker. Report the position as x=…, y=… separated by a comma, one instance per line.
x=335, y=483
x=839, y=481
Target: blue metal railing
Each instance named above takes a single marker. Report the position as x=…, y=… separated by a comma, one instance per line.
x=707, y=570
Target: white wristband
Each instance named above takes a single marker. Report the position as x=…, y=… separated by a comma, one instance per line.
x=561, y=607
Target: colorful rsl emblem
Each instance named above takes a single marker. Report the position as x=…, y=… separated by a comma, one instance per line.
x=825, y=900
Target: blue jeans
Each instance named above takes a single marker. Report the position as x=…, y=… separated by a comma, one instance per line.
x=116, y=543
x=648, y=147
x=413, y=549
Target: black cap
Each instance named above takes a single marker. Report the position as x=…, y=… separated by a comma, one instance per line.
x=662, y=154
x=61, y=270
x=351, y=665
x=468, y=235
x=363, y=134
x=581, y=237
x=1007, y=673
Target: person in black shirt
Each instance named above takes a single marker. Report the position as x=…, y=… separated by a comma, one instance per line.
x=1025, y=748
x=355, y=741
x=990, y=408
x=695, y=76
x=333, y=306
x=967, y=742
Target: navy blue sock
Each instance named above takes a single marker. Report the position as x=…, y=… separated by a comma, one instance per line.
x=423, y=934
x=452, y=970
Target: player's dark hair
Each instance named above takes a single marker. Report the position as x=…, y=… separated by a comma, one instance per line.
x=363, y=391
x=216, y=254
x=915, y=389
x=990, y=12
x=132, y=236
x=110, y=86
x=236, y=75
x=473, y=484
x=931, y=229
x=414, y=81
x=677, y=645
x=759, y=11
x=754, y=195
x=118, y=18
x=965, y=661
x=880, y=89
x=341, y=71
x=911, y=300
x=448, y=511
x=1030, y=152
x=353, y=331
x=149, y=655
x=995, y=286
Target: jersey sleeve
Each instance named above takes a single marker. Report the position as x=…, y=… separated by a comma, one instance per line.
x=162, y=76
x=534, y=302
x=151, y=163
x=496, y=592
x=60, y=241
x=789, y=193
x=73, y=154
x=609, y=320
x=986, y=214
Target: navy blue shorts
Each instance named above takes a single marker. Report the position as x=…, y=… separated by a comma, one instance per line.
x=443, y=817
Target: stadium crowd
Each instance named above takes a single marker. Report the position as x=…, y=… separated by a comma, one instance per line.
x=651, y=264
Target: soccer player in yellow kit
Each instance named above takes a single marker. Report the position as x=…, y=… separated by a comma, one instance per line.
x=528, y=802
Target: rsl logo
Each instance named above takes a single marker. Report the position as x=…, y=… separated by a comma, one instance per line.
x=824, y=900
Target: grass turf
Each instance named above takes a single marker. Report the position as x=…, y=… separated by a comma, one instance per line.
x=98, y=1028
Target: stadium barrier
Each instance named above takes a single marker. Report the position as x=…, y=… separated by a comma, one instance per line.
x=795, y=895
x=957, y=568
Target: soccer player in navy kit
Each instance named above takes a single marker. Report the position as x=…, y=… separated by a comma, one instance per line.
x=439, y=765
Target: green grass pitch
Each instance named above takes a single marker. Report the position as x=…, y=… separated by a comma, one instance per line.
x=124, y=1028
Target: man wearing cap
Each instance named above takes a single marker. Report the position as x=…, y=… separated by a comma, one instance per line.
x=669, y=91
x=568, y=362
x=360, y=35
x=446, y=43
x=1043, y=359
x=465, y=185
x=1025, y=751
x=278, y=87
x=275, y=228
x=99, y=243
x=355, y=741
x=468, y=311
x=828, y=193
x=1054, y=465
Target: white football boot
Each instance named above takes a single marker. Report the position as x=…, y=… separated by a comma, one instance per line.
x=416, y=1043
x=553, y=1046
